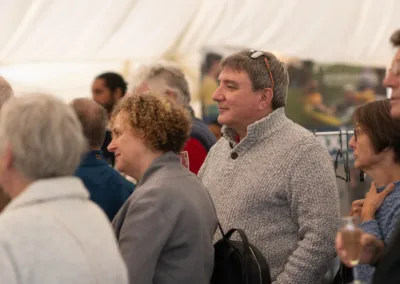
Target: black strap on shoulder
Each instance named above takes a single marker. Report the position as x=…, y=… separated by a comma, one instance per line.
x=246, y=251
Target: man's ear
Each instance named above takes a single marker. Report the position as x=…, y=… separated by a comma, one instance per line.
x=266, y=98
x=118, y=94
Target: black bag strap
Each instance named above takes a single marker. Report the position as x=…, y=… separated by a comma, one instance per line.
x=245, y=242
x=344, y=275
x=246, y=250
x=220, y=229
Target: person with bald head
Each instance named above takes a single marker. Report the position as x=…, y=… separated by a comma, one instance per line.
x=6, y=92
x=107, y=187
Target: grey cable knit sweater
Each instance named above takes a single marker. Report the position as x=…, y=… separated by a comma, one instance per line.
x=278, y=184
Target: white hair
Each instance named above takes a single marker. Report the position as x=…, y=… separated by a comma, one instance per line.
x=44, y=134
x=6, y=91
x=163, y=77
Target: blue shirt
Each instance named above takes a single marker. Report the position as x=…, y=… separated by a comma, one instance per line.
x=383, y=226
x=107, y=187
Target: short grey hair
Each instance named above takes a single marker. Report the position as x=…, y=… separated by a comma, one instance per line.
x=93, y=118
x=44, y=134
x=162, y=78
x=259, y=75
x=6, y=91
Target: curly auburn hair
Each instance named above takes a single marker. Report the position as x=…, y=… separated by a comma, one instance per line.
x=164, y=125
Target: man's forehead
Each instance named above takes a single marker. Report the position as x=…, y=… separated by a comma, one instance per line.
x=99, y=82
x=232, y=75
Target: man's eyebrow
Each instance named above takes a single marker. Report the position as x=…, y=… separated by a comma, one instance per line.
x=227, y=81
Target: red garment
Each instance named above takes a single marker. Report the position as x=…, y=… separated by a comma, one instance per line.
x=197, y=154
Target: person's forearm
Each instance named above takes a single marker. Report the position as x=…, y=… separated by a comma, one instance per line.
x=372, y=227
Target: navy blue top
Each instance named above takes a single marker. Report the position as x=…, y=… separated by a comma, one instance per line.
x=107, y=187
x=201, y=132
x=383, y=226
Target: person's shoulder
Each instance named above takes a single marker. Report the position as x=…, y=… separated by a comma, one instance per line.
x=193, y=145
x=201, y=131
x=300, y=135
x=15, y=222
x=303, y=144
x=392, y=201
x=118, y=180
x=165, y=180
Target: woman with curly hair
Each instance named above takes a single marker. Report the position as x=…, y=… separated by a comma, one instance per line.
x=166, y=227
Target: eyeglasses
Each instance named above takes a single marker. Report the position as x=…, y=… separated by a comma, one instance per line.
x=256, y=54
x=357, y=132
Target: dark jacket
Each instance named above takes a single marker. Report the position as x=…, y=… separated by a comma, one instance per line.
x=107, y=187
x=201, y=132
x=109, y=156
x=388, y=269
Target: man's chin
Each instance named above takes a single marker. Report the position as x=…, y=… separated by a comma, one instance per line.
x=222, y=120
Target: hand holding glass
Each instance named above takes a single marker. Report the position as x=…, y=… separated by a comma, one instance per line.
x=351, y=242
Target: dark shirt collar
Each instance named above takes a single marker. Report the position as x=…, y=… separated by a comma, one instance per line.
x=94, y=158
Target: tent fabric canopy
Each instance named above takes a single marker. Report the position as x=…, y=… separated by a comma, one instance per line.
x=59, y=45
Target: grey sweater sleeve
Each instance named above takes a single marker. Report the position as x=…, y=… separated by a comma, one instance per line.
x=314, y=202
x=141, y=244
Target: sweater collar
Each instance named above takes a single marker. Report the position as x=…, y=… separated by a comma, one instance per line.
x=45, y=190
x=260, y=129
x=168, y=159
x=94, y=158
x=382, y=188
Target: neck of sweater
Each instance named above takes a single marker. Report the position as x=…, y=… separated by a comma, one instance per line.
x=260, y=129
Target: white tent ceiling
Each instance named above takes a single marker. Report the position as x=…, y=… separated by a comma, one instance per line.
x=59, y=45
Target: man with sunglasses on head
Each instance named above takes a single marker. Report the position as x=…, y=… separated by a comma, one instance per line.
x=385, y=256
x=268, y=175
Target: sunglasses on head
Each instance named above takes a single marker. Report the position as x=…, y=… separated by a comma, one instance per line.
x=256, y=54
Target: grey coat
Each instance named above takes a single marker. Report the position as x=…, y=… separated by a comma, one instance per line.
x=51, y=233
x=166, y=227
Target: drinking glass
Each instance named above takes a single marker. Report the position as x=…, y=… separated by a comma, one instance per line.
x=351, y=236
x=184, y=157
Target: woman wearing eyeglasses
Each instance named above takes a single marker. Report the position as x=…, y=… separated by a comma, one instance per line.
x=376, y=145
